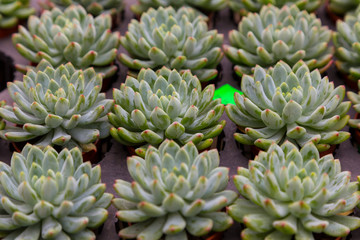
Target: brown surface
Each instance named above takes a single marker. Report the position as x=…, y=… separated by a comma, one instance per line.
x=114, y=163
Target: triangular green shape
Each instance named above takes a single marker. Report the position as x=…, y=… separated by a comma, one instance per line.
x=226, y=93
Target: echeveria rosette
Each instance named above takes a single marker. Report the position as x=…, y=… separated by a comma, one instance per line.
x=341, y=7
x=289, y=104
x=51, y=195
x=93, y=7
x=355, y=99
x=274, y=34
x=165, y=104
x=203, y=5
x=70, y=36
x=291, y=194
x=175, y=191
x=245, y=6
x=347, y=44
x=177, y=39
x=13, y=11
x=61, y=106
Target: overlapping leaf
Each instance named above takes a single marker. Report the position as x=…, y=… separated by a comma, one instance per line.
x=165, y=104
x=292, y=104
x=177, y=39
x=274, y=34
x=291, y=194
x=13, y=11
x=70, y=36
x=51, y=195
x=347, y=43
x=61, y=106
x=175, y=191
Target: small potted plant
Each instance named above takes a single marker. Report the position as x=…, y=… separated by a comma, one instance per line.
x=177, y=39
x=113, y=7
x=12, y=13
x=295, y=194
x=274, y=34
x=337, y=9
x=176, y=193
x=347, y=44
x=51, y=195
x=242, y=7
x=292, y=104
x=355, y=123
x=165, y=104
x=70, y=36
x=208, y=7
x=58, y=107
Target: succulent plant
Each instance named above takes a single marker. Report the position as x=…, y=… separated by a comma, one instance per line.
x=289, y=104
x=347, y=43
x=70, y=36
x=177, y=39
x=256, y=5
x=274, y=34
x=175, y=191
x=341, y=7
x=355, y=99
x=203, y=5
x=291, y=194
x=12, y=12
x=59, y=106
x=93, y=7
x=51, y=195
x=162, y=105
x=2, y=122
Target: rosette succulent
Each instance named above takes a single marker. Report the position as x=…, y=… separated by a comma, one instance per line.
x=166, y=104
x=347, y=43
x=355, y=99
x=51, y=195
x=13, y=11
x=203, y=5
x=93, y=7
x=178, y=39
x=274, y=34
x=70, y=36
x=59, y=106
x=245, y=6
x=292, y=194
x=175, y=191
x=341, y=7
x=289, y=104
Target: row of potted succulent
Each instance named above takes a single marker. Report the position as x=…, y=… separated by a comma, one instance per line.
x=178, y=193
x=180, y=42
x=64, y=107
x=13, y=11
x=180, y=39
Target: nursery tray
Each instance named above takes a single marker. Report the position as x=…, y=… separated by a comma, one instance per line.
x=114, y=162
